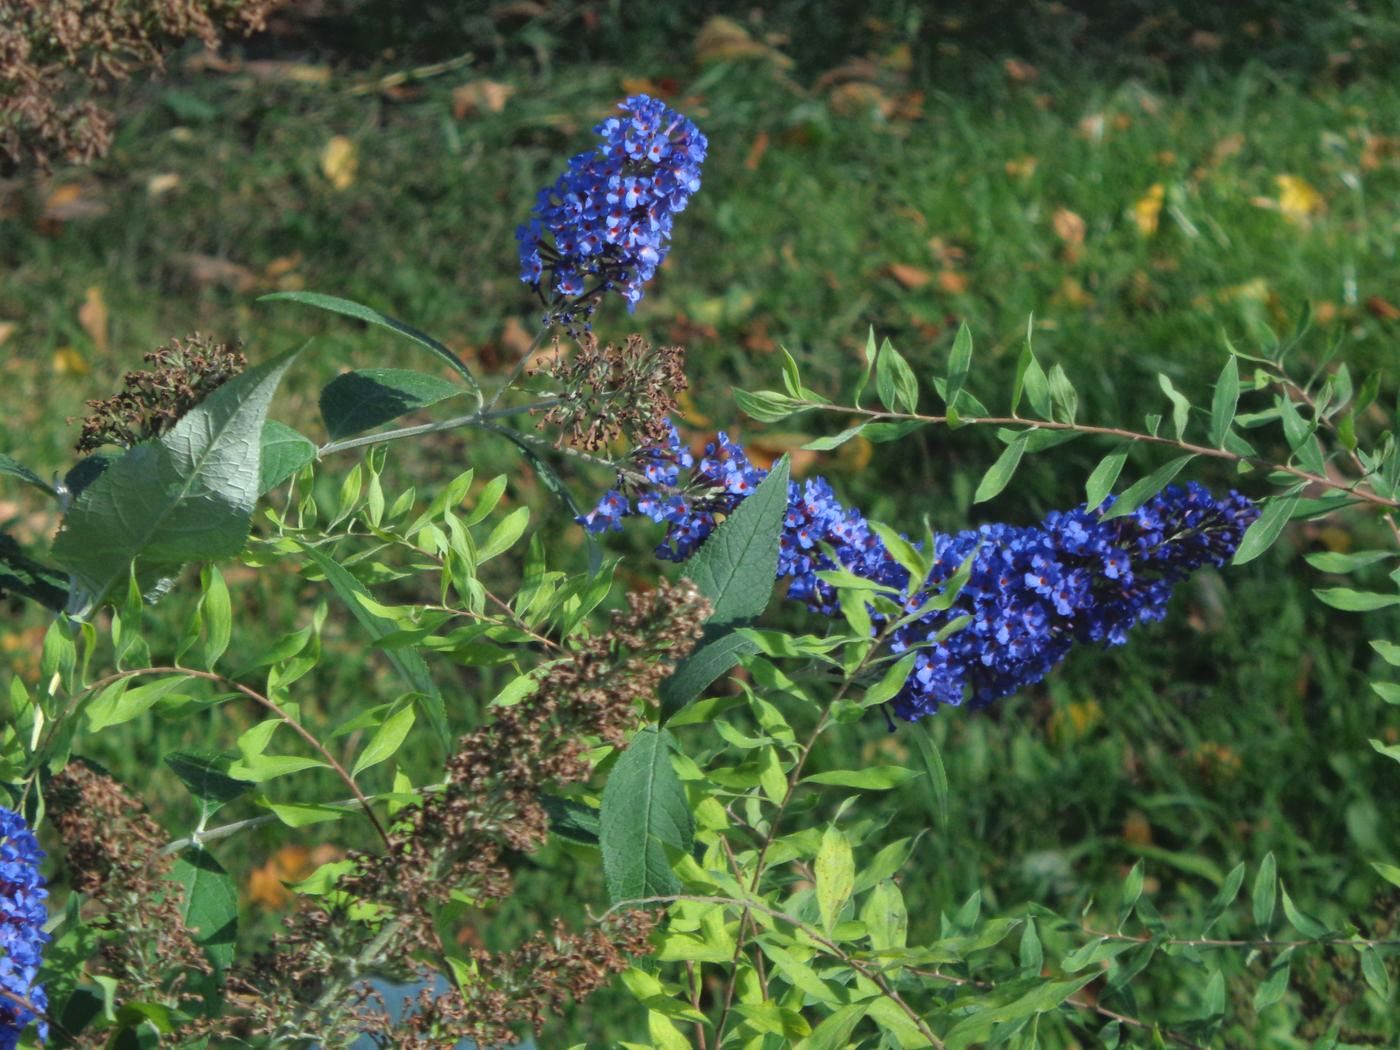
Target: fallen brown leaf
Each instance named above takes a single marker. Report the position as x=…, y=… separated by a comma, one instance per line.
x=910, y=277
x=722, y=39
x=74, y=200
x=160, y=185
x=92, y=316
x=952, y=282
x=1381, y=309
x=756, y=151
x=7, y=329
x=480, y=96
x=857, y=99
x=209, y=270
x=1019, y=72
x=1069, y=227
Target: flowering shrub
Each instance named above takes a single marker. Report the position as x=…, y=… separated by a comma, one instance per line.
x=769, y=913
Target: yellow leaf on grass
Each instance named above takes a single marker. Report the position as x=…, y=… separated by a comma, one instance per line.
x=480, y=96
x=910, y=277
x=1147, y=212
x=339, y=159
x=7, y=329
x=1069, y=227
x=1297, y=200
x=68, y=362
x=160, y=185
x=92, y=315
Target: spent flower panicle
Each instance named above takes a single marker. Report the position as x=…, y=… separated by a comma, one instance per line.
x=1031, y=594
x=605, y=225
x=22, y=936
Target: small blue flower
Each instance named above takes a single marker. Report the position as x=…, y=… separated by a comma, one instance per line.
x=1032, y=593
x=22, y=936
x=609, y=215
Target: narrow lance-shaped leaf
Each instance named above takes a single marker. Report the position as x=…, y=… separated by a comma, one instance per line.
x=13, y=468
x=1260, y=535
x=358, y=401
x=1002, y=471
x=369, y=315
x=1105, y=476
x=895, y=381
x=1141, y=491
x=1224, y=403
x=959, y=362
x=1181, y=408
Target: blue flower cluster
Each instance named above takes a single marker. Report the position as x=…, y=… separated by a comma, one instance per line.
x=1032, y=592
x=609, y=215
x=22, y=936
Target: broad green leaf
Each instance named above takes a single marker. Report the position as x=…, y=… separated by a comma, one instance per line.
x=301, y=815
x=1260, y=535
x=571, y=819
x=1064, y=400
x=1105, y=476
x=1374, y=971
x=696, y=671
x=371, y=316
x=354, y=402
x=13, y=468
x=210, y=908
x=186, y=497
x=873, y=778
x=735, y=568
x=895, y=381
x=1040, y=999
x=834, y=1033
x=1224, y=403
x=836, y=875
x=22, y=576
x=1348, y=600
x=284, y=452
x=387, y=739
x=1265, y=892
x=1001, y=472
x=1031, y=954
x=205, y=773
x=644, y=812
x=409, y=662
x=1141, y=491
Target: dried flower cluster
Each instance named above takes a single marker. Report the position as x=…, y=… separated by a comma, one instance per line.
x=612, y=390
x=56, y=54
x=456, y=846
x=114, y=861
x=182, y=375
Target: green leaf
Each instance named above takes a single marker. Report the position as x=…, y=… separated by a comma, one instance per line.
x=218, y=615
x=284, y=452
x=879, y=433
x=1389, y=872
x=1064, y=401
x=1300, y=920
x=1141, y=491
x=895, y=381
x=834, y=1033
x=370, y=316
x=12, y=468
x=874, y=778
x=210, y=908
x=188, y=496
x=119, y=702
x=1374, y=971
x=1224, y=403
x=205, y=773
x=20, y=575
x=409, y=662
x=1389, y=651
x=1388, y=750
x=354, y=402
x=1265, y=891
x=1275, y=985
x=959, y=362
x=693, y=674
x=1229, y=890
x=571, y=819
x=1181, y=408
x=1105, y=476
x=644, y=812
x=767, y=406
x=736, y=567
x=835, y=872
x=1341, y=564
x=1040, y=999
x=1001, y=472
x=826, y=444
x=1260, y=535
x=936, y=782
x=1348, y=600
x=387, y=739
x=1030, y=379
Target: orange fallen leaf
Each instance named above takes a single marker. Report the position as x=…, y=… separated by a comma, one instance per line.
x=92, y=316
x=765, y=450
x=283, y=265
x=756, y=151
x=952, y=282
x=267, y=884
x=480, y=96
x=1147, y=212
x=1381, y=309
x=1068, y=227
x=74, y=200
x=339, y=159
x=910, y=277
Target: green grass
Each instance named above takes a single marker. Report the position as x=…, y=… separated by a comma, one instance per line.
x=1238, y=727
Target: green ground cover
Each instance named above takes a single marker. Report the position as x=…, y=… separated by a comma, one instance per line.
x=906, y=173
